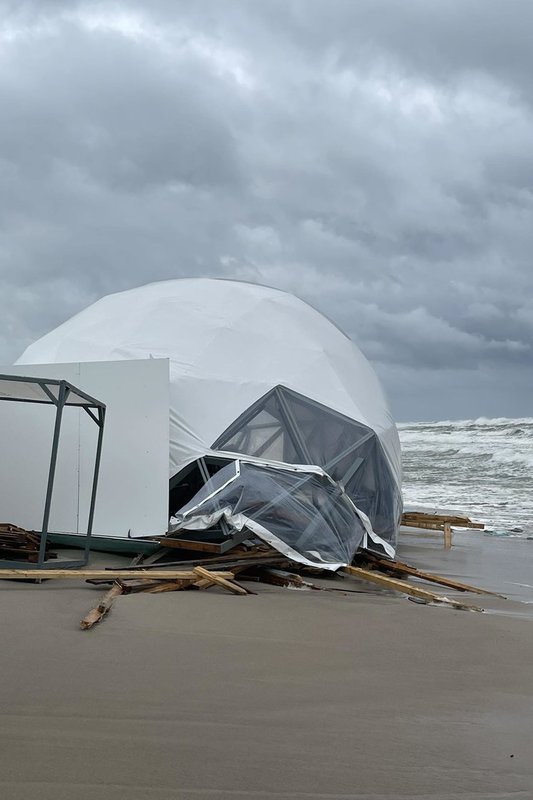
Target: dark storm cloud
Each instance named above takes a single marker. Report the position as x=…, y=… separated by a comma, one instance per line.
x=373, y=157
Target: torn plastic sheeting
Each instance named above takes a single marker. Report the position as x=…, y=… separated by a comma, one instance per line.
x=303, y=515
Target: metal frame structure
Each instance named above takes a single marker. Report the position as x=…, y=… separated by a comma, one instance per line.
x=60, y=393
x=281, y=395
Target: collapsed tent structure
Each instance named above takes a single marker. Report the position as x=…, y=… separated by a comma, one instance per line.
x=278, y=424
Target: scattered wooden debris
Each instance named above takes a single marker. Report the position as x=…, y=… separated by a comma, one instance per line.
x=208, y=564
x=199, y=578
x=21, y=545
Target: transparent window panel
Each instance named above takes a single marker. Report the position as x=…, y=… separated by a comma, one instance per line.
x=304, y=511
x=264, y=435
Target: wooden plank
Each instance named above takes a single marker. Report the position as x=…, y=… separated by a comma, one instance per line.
x=213, y=576
x=406, y=569
x=103, y=607
x=106, y=574
x=396, y=585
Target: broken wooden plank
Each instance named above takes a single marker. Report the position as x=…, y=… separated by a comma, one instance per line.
x=396, y=585
x=405, y=569
x=103, y=607
x=213, y=576
x=106, y=574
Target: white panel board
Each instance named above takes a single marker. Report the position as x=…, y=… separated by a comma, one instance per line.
x=133, y=485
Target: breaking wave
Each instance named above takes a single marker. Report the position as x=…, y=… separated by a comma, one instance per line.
x=482, y=467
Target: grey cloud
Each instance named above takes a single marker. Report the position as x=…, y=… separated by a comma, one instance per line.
x=372, y=157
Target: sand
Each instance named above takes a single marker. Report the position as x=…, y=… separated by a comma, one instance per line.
x=285, y=694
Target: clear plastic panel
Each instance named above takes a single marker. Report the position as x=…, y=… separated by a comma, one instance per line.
x=264, y=435
x=306, y=512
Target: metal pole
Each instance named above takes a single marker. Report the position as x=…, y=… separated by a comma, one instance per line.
x=101, y=420
x=290, y=424
x=63, y=393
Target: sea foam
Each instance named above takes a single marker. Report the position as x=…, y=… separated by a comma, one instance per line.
x=482, y=467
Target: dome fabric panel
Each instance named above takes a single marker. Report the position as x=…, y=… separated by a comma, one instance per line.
x=228, y=344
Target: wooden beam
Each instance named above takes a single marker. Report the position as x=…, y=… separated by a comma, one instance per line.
x=396, y=585
x=213, y=576
x=109, y=574
x=405, y=569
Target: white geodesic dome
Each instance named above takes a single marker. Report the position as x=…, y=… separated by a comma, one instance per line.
x=228, y=343
x=253, y=372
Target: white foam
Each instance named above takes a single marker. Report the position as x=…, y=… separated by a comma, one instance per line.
x=481, y=467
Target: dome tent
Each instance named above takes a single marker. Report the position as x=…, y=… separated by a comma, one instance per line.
x=259, y=382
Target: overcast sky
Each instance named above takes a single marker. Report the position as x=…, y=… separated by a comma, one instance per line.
x=373, y=156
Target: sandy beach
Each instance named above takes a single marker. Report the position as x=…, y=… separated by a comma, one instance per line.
x=285, y=694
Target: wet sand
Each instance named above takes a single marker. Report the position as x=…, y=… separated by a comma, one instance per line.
x=286, y=694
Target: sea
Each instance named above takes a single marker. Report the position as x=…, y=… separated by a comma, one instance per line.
x=479, y=467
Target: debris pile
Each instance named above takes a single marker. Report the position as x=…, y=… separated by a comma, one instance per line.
x=193, y=564
x=20, y=544
x=203, y=564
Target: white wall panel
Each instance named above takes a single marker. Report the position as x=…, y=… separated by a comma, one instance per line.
x=133, y=486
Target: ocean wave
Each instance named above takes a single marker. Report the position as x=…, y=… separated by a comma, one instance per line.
x=508, y=456
x=479, y=422
x=482, y=467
